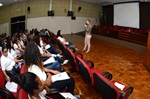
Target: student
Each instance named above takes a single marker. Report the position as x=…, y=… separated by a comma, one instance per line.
x=8, y=64
x=32, y=84
x=50, y=47
x=45, y=53
x=17, y=46
x=33, y=63
x=62, y=39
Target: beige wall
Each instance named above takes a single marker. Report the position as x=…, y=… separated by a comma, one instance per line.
x=39, y=8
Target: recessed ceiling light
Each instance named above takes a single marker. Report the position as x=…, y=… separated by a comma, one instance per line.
x=1, y=4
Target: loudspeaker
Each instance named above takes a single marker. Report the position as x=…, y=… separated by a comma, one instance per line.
x=51, y=13
x=79, y=9
x=28, y=9
x=70, y=13
x=73, y=17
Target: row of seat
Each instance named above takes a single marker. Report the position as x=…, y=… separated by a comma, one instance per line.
x=108, y=88
x=125, y=29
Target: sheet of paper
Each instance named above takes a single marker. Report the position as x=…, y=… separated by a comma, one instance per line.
x=120, y=86
x=68, y=95
x=11, y=86
x=50, y=60
x=60, y=76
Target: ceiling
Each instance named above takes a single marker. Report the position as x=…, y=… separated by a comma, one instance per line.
x=8, y=2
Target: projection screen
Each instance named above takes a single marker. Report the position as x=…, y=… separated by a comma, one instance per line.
x=127, y=14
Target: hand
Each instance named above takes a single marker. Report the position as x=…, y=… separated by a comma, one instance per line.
x=56, y=72
x=48, y=74
x=8, y=78
x=85, y=25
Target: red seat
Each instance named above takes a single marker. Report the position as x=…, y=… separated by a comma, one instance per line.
x=22, y=70
x=109, y=89
x=136, y=31
x=22, y=94
x=105, y=27
x=116, y=27
x=141, y=31
x=86, y=70
x=122, y=30
x=2, y=83
x=110, y=27
x=2, y=77
x=72, y=58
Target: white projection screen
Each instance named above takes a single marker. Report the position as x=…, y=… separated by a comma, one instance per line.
x=127, y=14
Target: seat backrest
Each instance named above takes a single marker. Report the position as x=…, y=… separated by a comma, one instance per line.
x=6, y=94
x=22, y=70
x=22, y=94
x=105, y=87
x=84, y=70
x=60, y=45
x=2, y=77
x=71, y=56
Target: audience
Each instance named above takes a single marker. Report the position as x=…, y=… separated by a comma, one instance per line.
x=34, y=64
x=31, y=83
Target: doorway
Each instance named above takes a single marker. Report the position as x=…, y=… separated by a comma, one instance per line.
x=17, y=24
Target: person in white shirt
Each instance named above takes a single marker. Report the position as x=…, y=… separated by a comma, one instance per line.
x=17, y=46
x=63, y=40
x=31, y=83
x=33, y=63
x=21, y=43
x=8, y=64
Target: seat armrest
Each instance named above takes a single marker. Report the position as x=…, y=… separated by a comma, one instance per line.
x=53, y=91
x=126, y=93
x=77, y=54
x=89, y=63
x=107, y=75
x=72, y=49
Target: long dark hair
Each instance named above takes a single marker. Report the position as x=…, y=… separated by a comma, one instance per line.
x=59, y=33
x=32, y=56
x=9, y=47
x=36, y=39
x=28, y=81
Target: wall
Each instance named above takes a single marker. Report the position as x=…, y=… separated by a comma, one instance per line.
x=59, y=22
x=39, y=8
x=4, y=28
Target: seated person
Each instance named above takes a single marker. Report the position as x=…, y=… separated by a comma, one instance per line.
x=49, y=47
x=32, y=84
x=8, y=64
x=46, y=54
x=62, y=39
x=17, y=46
x=34, y=64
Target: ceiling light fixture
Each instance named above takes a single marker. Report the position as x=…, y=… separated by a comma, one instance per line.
x=1, y=4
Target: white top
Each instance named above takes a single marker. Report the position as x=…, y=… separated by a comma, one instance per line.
x=16, y=49
x=36, y=70
x=41, y=74
x=7, y=63
x=41, y=97
x=13, y=53
x=21, y=43
x=41, y=51
x=41, y=43
x=62, y=40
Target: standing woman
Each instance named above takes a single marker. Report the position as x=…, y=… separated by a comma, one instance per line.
x=88, y=36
